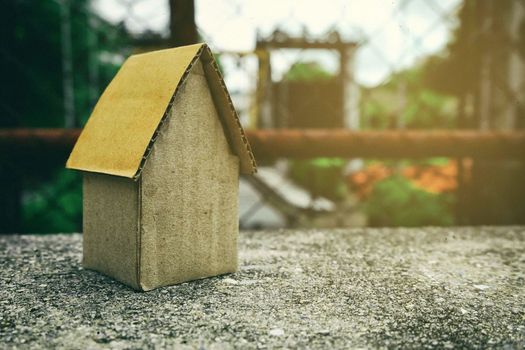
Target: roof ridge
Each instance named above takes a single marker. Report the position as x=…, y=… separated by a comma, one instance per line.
x=166, y=114
x=245, y=168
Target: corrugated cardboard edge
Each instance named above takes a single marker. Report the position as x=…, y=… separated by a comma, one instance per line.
x=128, y=112
x=138, y=238
x=232, y=127
x=229, y=118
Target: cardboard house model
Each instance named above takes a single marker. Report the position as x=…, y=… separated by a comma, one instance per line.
x=162, y=152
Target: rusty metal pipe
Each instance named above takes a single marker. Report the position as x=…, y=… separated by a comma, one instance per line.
x=38, y=139
x=302, y=144
x=386, y=144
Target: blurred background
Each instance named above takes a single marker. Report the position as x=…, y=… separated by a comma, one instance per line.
x=360, y=113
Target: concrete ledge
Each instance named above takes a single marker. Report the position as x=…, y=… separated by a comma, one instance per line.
x=408, y=288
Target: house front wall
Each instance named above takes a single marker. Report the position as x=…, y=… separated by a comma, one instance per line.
x=188, y=190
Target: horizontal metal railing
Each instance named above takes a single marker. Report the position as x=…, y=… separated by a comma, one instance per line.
x=275, y=143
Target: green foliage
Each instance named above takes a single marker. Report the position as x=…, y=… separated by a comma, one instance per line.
x=55, y=206
x=321, y=176
x=32, y=57
x=307, y=71
x=433, y=161
x=394, y=201
x=31, y=52
x=423, y=107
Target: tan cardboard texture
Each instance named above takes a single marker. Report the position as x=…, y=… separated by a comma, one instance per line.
x=111, y=222
x=172, y=218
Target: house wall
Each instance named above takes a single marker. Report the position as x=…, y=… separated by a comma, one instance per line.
x=189, y=186
x=111, y=226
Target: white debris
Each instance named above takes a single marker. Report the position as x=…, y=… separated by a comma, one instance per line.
x=230, y=281
x=481, y=286
x=276, y=332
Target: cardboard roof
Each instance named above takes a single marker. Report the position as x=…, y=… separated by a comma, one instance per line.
x=120, y=132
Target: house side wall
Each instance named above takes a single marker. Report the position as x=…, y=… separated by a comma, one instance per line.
x=111, y=226
x=189, y=222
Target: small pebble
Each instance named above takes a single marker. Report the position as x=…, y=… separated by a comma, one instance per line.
x=276, y=332
x=230, y=281
x=481, y=286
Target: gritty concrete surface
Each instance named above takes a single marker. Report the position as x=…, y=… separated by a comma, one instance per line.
x=361, y=288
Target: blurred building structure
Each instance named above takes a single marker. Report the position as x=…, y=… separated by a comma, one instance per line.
x=307, y=99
